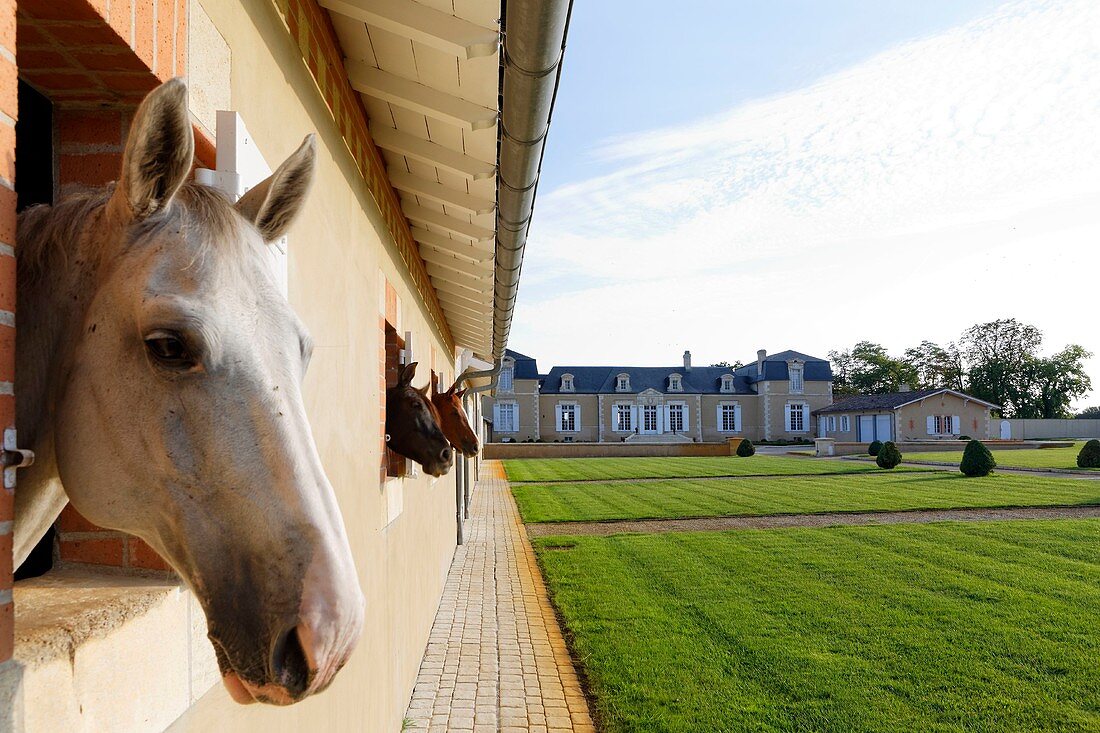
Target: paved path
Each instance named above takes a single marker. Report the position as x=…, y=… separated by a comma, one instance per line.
x=833, y=519
x=496, y=659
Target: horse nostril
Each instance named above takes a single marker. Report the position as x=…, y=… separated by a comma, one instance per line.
x=289, y=666
x=445, y=455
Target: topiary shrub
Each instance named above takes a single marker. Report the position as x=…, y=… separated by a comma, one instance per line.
x=977, y=460
x=889, y=456
x=964, y=437
x=745, y=448
x=1089, y=457
x=875, y=447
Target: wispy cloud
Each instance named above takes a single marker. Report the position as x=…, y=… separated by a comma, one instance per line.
x=855, y=202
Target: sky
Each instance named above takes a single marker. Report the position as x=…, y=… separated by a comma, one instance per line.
x=806, y=175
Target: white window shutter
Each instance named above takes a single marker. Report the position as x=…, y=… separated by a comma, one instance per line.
x=956, y=424
x=496, y=416
x=668, y=418
x=557, y=417
x=787, y=415
x=515, y=416
x=577, y=416
x=737, y=418
x=931, y=425
x=687, y=419
x=633, y=417
x=718, y=418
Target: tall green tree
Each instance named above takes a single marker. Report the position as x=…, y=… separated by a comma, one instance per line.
x=936, y=366
x=1051, y=384
x=999, y=356
x=1089, y=413
x=867, y=368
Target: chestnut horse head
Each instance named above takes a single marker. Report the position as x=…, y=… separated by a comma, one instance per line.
x=160, y=384
x=452, y=418
x=412, y=425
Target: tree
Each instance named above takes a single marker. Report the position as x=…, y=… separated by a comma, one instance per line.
x=935, y=366
x=727, y=365
x=868, y=369
x=745, y=448
x=1089, y=457
x=1089, y=413
x=999, y=354
x=1051, y=384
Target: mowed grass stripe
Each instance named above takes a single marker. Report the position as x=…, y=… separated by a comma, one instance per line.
x=876, y=491
x=949, y=627
x=595, y=469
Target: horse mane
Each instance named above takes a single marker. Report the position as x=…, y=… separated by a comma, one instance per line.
x=48, y=235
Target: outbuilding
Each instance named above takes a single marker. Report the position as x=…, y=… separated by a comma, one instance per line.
x=927, y=414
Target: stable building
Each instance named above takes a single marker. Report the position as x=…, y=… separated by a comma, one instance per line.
x=772, y=398
x=927, y=414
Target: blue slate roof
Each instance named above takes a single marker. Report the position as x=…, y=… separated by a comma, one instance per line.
x=597, y=380
x=775, y=367
x=526, y=367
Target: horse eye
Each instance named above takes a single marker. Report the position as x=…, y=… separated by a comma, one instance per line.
x=168, y=349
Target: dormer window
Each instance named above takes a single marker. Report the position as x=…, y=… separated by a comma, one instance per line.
x=504, y=381
x=622, y=383
x=796, y=381
x=675, y=383
x=567, y=383
x=727, y=383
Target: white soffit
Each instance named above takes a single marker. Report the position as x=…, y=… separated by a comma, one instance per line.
x=428, y=74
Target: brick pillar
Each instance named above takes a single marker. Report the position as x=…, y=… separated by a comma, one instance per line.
x=8, y=113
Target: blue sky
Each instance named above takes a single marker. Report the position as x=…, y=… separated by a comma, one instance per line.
x=809, y=174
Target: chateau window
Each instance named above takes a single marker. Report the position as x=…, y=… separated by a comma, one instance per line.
x=567, y=422
x=567, y=383
x=622, y=383
x=676, y=418
x=506, y=417
x=796, y=418
x=796, y=378
x=845, y=424
x=832, y=423
x=727, y=417
x=727, y=383
x=675, y=383
x=623, y=423
x=504, y=381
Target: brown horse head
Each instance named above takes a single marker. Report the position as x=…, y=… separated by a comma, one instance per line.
x=452, y=418
x=412, y=425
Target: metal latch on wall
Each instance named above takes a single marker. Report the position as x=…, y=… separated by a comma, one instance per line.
x=13, y=457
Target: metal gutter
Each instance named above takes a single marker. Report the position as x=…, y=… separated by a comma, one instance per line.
x=533, y=48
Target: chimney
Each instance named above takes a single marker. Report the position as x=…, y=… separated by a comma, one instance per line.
x=760, y=356
x=687, y=361
x=904, y=387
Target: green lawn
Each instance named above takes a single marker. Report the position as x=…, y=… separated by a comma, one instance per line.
x=589, y=501
x=990, y=626
x=1023, y=458
x=581, y=469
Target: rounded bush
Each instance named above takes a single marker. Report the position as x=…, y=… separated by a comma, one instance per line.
x=745, y=448
x=889, y=456
x=977, y=460
x=875, y=447
x=1089, y=457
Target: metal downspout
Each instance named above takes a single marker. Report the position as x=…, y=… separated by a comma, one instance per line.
x=462, y=481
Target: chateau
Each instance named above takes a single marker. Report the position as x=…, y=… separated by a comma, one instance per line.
x=771, y=398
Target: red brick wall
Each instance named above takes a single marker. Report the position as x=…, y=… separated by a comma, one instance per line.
x=8, y=114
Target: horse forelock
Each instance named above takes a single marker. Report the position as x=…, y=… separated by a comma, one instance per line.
x=49, y=235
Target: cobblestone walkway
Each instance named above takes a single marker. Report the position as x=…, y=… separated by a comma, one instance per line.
x=496, y=660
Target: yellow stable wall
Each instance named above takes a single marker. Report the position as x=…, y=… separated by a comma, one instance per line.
x=402, y=533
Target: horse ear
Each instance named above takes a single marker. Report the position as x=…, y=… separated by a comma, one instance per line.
x=159, y=152
x=458, y=394
x=273, y=203
x=435, y=384
x=407, y=375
